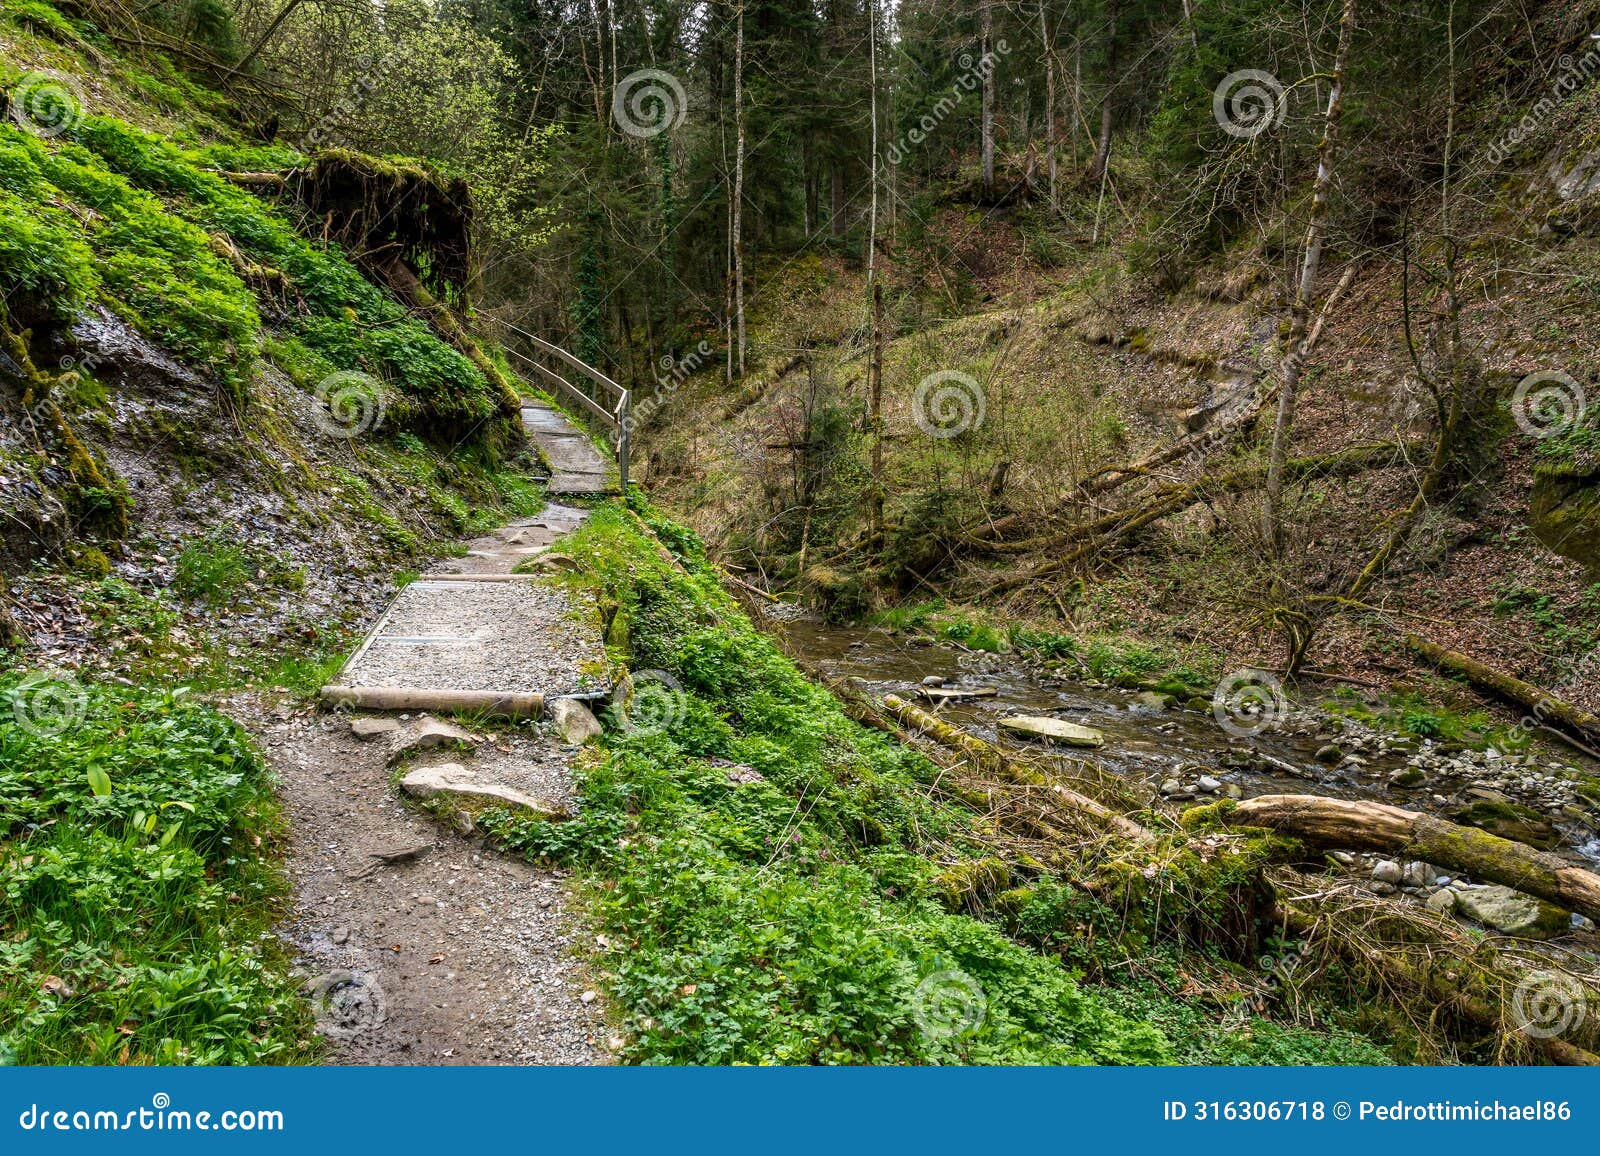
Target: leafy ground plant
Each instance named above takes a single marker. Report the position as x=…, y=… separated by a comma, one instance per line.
x=137, y=883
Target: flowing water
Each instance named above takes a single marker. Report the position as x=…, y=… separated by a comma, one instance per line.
x=1162, y=746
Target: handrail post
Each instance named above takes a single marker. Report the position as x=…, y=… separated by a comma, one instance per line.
x=624, y=438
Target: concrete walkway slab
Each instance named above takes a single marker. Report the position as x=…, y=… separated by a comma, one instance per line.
x=578, y=467
x=506, y=638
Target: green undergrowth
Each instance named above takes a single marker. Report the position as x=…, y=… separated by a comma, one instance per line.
x=767, y=872
x=138, y=884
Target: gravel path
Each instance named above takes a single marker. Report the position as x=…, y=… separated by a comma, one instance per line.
x=508, y=637
x=421, y=945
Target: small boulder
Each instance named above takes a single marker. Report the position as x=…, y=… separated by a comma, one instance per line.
x=1387, y=871
x=1329, y=755
x=1210, y=785
x=1512, y=912
x=462, y=785
x=367, y=729
x=573, y=721
x=1415, y=875
x=1442, y=901
x=427, y=734
x=1155, y=700
x=933, y=680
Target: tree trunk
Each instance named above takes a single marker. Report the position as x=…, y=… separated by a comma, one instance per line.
x=1294, y=361
x=1102, y=151
x=988, y=101
x=877, y=416
x=872, y=227
x=1348, y=825
x=1545, y=707
x=738, y=193
x=1049, y=101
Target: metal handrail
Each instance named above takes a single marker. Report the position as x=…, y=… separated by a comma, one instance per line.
x=620, y=419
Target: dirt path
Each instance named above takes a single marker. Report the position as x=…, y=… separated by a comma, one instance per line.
x=458, y=956
x=423, y=945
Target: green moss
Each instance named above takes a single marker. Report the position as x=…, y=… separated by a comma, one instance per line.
x=1509, y=821
x=147, y=241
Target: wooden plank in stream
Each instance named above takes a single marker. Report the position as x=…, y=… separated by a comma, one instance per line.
x=1053, y=730
x=937, y=694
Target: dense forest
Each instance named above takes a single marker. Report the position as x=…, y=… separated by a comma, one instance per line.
x=1049, y=531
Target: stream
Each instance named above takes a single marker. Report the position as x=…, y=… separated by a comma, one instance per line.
x=1178, y=747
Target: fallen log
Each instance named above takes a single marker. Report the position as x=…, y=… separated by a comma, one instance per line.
x=1473, y=982
x=1175, y=499
x=1348, y=825
x=986, y=755
x=512, y=706
x=1544, y=707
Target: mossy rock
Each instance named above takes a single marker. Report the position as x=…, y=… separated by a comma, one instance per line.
x=1564, y=514
x=1509, y=821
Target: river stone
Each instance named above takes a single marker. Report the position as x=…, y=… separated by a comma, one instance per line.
x=1415, y=874
x=573, y=721
x=1209, y=785
x=1511, y=912
x=1155, y=700
x=1053, y=729
x=460, y=784
x=1329, y=755
x=1387, y=871
x=933, y=680
x=955, y=694
x=1443, y=901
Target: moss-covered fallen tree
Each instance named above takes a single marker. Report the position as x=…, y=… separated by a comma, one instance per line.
x=1351, y=825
